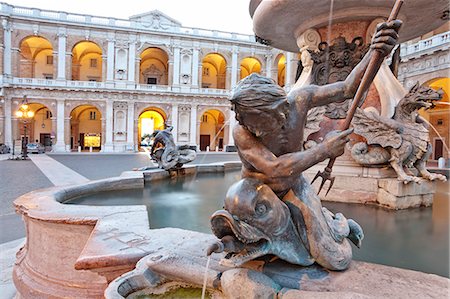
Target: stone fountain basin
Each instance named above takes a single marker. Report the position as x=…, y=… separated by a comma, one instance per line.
x=281, y=22
x=183, y=265
x=75, y=251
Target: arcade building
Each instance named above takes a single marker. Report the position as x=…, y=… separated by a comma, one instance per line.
x=106, y=84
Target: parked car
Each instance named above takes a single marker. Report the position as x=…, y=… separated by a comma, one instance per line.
x=35, y=148
x=4, y=149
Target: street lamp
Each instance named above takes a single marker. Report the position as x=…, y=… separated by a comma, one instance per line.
x=24, y=114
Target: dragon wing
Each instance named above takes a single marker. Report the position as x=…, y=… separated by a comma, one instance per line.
x=315, y=116
x=376, y=129
x=417, y=134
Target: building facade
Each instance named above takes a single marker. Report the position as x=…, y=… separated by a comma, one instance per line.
x=106, y=84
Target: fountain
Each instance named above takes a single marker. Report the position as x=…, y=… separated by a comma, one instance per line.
x=268, y=247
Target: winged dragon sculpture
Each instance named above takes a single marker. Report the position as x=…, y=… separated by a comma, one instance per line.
x=402, y=141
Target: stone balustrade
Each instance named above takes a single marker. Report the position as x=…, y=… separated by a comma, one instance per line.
x=426, y=46
x=64, y=17
x=117, y=85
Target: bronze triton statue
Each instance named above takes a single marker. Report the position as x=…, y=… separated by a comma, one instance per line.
x=166, y=153
x=273, y=209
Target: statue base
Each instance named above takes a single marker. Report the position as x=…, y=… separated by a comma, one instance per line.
x=372, y=185
x=179, y=266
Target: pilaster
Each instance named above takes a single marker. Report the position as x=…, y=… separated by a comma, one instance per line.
x=195, y=62
x=130, y=127
x=175, y=122
x=8, y=122
x=108, y=145
x=60, y=145
x=176, y=66
x=7, y=30
x=62, y=37
x=110, y=58
x=131, y=61
x=193, y=129
x=234, y=67
x=289, y=70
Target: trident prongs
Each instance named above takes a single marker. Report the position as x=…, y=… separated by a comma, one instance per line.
x=326, y=176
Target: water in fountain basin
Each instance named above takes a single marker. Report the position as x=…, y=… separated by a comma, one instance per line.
x=416, y=239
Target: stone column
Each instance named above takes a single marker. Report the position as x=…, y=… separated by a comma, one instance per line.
x=67, y=133
x=195, y=62
x=7, y=48
x=110, y=60
x=131, y=61
x=108, y=146
x=228, y=77
x=130, y=127
x=232, y=120
x=175, y=122
x=234, y=67
x=60, y=145
x=104, y=67
x=289, y=71
x=193, y=130
x=170, y=73
x=8, y=122
x=61, y=75
x=68, y=66
x=269, y=65
x=176, y=66
x=137, y=70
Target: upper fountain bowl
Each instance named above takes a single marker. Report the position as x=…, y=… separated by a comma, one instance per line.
x=281, y=22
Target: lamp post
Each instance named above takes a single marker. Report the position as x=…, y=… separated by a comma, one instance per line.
x=24, y=114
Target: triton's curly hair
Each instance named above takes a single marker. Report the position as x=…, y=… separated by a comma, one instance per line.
x=256, y=93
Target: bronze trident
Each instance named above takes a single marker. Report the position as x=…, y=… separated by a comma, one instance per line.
x=372, y=69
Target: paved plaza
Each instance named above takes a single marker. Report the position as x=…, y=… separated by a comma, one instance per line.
x=19, y=177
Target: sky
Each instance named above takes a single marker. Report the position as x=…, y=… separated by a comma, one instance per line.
x=223, y=15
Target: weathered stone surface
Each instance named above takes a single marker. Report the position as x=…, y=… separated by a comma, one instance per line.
x=296, y=294
x=252, y=284
x=388, y=200
x=186, y=262
x=398, y=188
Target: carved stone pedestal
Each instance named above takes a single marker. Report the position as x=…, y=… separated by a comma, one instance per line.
x=396, y=195
x=375, y=185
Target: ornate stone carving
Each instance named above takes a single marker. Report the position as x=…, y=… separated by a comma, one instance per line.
x=402, y=141
x=120, y=105
x=333, y=64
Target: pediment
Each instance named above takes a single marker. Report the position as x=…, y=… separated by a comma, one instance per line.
x=155, y=20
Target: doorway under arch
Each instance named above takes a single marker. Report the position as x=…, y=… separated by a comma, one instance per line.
x=150, y=120
x=212, y=125
x=86, y=128
x=39, y=128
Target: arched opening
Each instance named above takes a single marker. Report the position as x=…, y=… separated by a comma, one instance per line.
x=85, y=128
x=212, y=124
x=87, y=62
x=249, y=65
x=439, y=118
x=154, y=67
x=36, y=58
x=281, y=69
x=39, y=128
x=214, y=71
x=150, y=120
